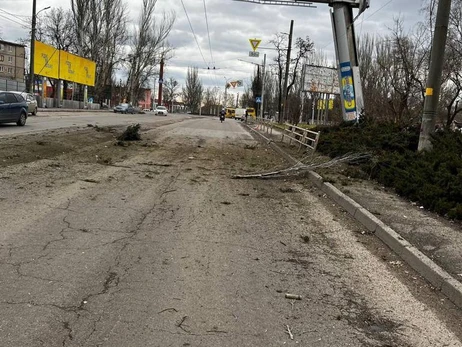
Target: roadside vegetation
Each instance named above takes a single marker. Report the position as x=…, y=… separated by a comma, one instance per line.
x=432, y=179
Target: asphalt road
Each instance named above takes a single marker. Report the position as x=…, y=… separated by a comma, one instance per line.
x=157, y=245
x=57, y=120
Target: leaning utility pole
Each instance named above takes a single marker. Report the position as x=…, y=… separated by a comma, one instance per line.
x=432, y=92
x=343, y=29
x=286, y=77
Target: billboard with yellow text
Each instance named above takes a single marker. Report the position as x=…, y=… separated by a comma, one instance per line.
x=53, y=63
x=76, y=69
x=46, y=60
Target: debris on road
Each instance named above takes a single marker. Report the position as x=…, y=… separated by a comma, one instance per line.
x=314, y=163
x=289, y=332
x=132, y=133
x=293, y=296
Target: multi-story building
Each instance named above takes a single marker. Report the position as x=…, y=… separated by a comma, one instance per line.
x=12, y=61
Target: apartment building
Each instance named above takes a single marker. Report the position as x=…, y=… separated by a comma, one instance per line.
x=12, y=61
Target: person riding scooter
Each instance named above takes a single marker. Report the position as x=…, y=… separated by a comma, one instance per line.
x=222, y=115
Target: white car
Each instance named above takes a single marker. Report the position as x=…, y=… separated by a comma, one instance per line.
x=161, y=110
x=32, y=106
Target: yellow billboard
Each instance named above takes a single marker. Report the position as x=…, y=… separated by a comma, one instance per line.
x=53, y=63
x=76, y=69
x=46, y=60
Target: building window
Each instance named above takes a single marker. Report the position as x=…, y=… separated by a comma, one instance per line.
x=10, y=70
x=10, y=48
x=2, y=68
x=2, y=47
x=2, y=57
x=10, y=59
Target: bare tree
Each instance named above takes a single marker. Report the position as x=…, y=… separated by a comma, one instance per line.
x=279, y=42
x=451, y=92
x=211, y=101
x=303, y=48
x=100, y=32
x=148, y=47
x=192, y=92
x=171, y=87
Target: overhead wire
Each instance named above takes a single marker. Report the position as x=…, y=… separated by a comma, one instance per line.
x=208, y=32
x=15, y=15
x=372, y=14
x=14, y=21
x=210, y=45
x=194, y=34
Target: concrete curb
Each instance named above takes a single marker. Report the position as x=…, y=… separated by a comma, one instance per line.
x=432, y=272
x=51, y=110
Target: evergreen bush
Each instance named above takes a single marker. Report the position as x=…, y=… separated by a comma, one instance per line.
x=431, y=178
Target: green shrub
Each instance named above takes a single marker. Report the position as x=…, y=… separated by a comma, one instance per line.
x=431, y=178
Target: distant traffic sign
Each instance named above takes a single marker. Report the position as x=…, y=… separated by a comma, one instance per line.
x=258, y=99
x=254, y=43
x=254, y=54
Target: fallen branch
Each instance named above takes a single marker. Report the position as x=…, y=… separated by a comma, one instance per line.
x=315, y=164
x=289, y=332
x=180, y=325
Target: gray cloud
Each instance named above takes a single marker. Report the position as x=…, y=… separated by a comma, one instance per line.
x=231, y=24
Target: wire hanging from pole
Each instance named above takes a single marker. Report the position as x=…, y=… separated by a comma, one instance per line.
x=194, y=34
x=208, y=33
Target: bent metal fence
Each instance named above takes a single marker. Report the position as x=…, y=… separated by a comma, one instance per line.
x=305, y=138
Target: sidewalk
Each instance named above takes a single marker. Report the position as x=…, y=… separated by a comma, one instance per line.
x=46, y=112
x=430, y=244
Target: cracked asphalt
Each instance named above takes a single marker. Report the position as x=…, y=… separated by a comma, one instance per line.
x=154, y=244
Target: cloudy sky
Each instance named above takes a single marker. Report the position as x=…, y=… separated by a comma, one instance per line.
x=230, y=26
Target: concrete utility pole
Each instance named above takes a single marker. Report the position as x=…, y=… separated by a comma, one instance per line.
x=286, y=78
x=432, y=92
x=30, y=88
x=161, y=81
x=345, y=44
x=343, y=28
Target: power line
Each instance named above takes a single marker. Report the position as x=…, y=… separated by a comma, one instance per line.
x=16, y=15
x=194, y=34
x=14, y=21
x=210, y=44
x=380, y=9
x=208, y=32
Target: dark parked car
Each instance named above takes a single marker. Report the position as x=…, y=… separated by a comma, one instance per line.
x=124, y=108
x=13, y=108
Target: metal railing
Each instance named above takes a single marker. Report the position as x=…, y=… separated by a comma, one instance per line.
x=301, y=136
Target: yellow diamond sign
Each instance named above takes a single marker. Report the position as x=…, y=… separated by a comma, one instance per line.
x=254, y=43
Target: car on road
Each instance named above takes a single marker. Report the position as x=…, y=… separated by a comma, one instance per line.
x=124, y=108
x=161, y=110
x=13, y=108
x=32, y=105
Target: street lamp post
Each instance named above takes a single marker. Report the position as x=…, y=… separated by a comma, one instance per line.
x=226, y=90
x=32, y=45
